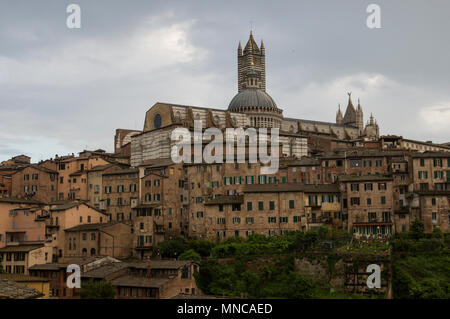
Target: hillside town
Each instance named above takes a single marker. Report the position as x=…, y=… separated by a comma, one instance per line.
x=108, y=212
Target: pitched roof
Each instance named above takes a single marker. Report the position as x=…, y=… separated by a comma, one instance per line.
x=132, y=281
x=51, y=266
x=22, y=278
x=14, y=200
x=123, y=171
x=21, y=248
x=87, y=227
x=154, y=163
x=161, y=264
x=14, y=290
x=65, y=205
x=104, y=270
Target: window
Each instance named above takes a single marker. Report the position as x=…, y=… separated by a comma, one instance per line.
x=354, y=201
x=236, y=207
x=260, y=205
x=382, y=186
x=92, y=236
x=369, y=201
x=355, y=163
x=422, y=162
x=84, y=236
x=271, y=219
x=221, y=221
x=291, y=204
x=236, y=220
x=249, y=220
x=284, y=219
x=271, y=205
x=433, y=201
x=157, y=121
x=354, y=187
x=437, y=162
x=383, y=199
x=368, y=186
x=297, y=219
x=249, y=206
x=367, y=163
x=220, y=207
x=372, y=217
x=422, y=174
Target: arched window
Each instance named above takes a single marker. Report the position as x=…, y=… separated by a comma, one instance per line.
x=92, y=251
x=84, y=252
x=157, y=121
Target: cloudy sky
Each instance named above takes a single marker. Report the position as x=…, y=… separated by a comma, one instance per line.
x=64, y=90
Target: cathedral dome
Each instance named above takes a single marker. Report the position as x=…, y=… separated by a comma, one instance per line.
x=252, y=97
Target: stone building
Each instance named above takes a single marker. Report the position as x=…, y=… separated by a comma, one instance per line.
x=429, y=194
x=37, y=182
x=156, y=279
x=105, y=239
x=64, y=215
x=5, y=185
x=17, y=259
x=367, y=204
x=120, y=188
x=20, y=223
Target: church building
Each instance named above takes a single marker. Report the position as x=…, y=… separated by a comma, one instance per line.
x=252, y=106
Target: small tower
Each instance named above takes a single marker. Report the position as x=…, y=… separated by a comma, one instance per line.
x=251, y=59
x=359, y=118
x=372, y=130
x=339, y=117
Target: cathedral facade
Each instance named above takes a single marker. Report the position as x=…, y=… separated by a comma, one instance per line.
x=252, y=106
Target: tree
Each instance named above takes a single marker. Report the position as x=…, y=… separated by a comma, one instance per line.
x=190, y=254
x=98, y=290
x=417, y=229
x=172, y=248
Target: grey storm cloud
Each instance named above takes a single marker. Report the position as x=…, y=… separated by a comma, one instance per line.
x=63, y=90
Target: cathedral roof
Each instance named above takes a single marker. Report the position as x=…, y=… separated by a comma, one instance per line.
x=350, y=112
x=251, y=45
x=252, y=97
